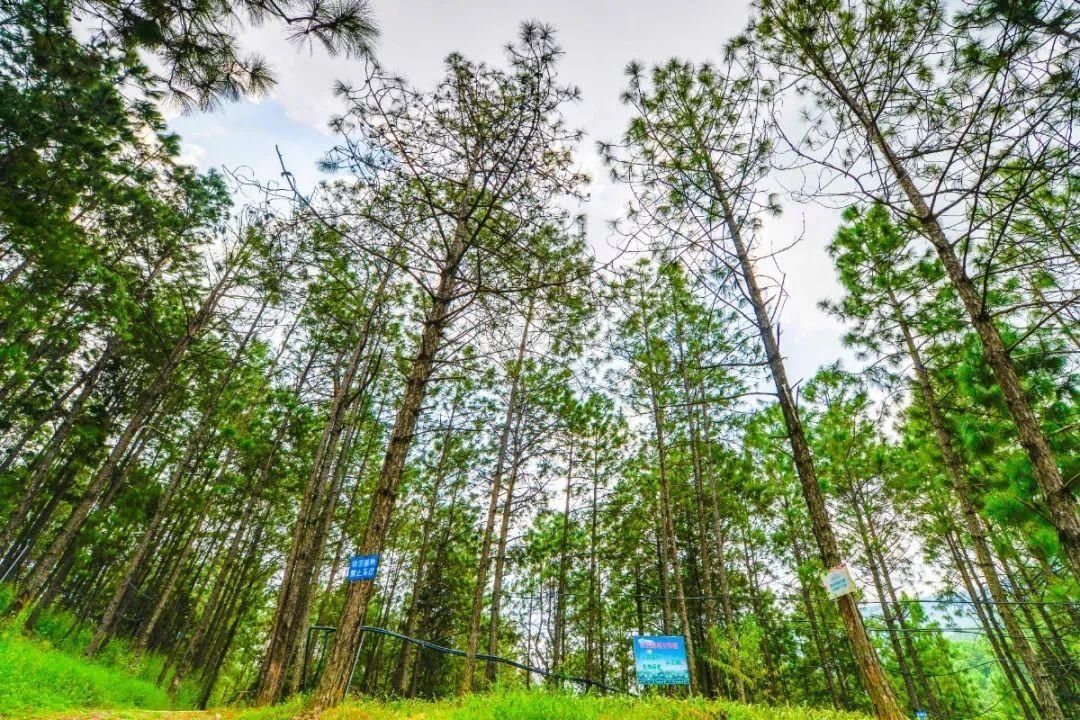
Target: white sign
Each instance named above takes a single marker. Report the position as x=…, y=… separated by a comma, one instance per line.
x=838, y=582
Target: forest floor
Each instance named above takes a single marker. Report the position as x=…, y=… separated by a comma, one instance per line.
x=515, y=705
x=521, y=705
x=48, y=678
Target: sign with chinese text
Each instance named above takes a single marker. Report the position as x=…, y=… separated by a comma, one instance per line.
x=661, y=660
x=363, y=567
x=838, y=582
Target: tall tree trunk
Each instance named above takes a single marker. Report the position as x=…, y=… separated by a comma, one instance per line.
x=88, y=382
x=595, y=639
x=697, y=468
x=106, y=499
x=668, y=528
x=723, y=582
x=23, y=543
x=195, y=444
x=16, y=448
x=559, y=639
x=875, y=681
x=639, y=607
x=354, y=504
x=757, y=605
x=165, y=593
x=1049, y=655
x=905, y=633
x=997, y=642
x=1051, y=624
x=337, y=672
x=202, y=625
x=43, y=461
x=886, y=608
x=500, y=566
x=312, y=522
x=493, y=503
x=239, y=607
x=53, y=587
x=323, y=529
x=811, y=613
x=210, y=678
x=663, y=566
x=401, y=671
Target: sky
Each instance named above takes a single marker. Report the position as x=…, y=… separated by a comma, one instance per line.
x=599, y=38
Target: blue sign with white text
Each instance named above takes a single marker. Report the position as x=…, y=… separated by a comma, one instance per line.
x=363, y=567
x=661, y=660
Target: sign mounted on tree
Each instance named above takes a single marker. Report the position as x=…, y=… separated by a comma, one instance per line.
x=838, y=581
x=363, y=567
x=661, y=660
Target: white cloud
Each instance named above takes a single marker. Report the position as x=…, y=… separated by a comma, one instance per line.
x=193, y=154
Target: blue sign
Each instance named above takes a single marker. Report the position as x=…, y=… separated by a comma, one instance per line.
x=661, y=660
x=363, y=567
x=921, y=715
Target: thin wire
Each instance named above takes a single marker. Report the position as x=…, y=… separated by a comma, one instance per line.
x=930, y=601
x=976, y=666
x=984, y=711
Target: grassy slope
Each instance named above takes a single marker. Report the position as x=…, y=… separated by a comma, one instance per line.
x=36, y=677
x=48, y=673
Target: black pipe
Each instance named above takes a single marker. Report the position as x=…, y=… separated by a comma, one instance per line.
x=587, y=682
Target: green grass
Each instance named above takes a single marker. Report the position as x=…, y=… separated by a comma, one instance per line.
x=519, y=705
x=524, y=705
x=35, y=677
x=47, y=673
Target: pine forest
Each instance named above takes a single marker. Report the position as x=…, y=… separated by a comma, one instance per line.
x=547, y=384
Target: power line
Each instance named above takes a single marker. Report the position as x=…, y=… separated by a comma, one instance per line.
x=986, y=710
x=976, y=602
x=901, y=601
x=904, y=630
x=963, y=630
x=976, y=666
